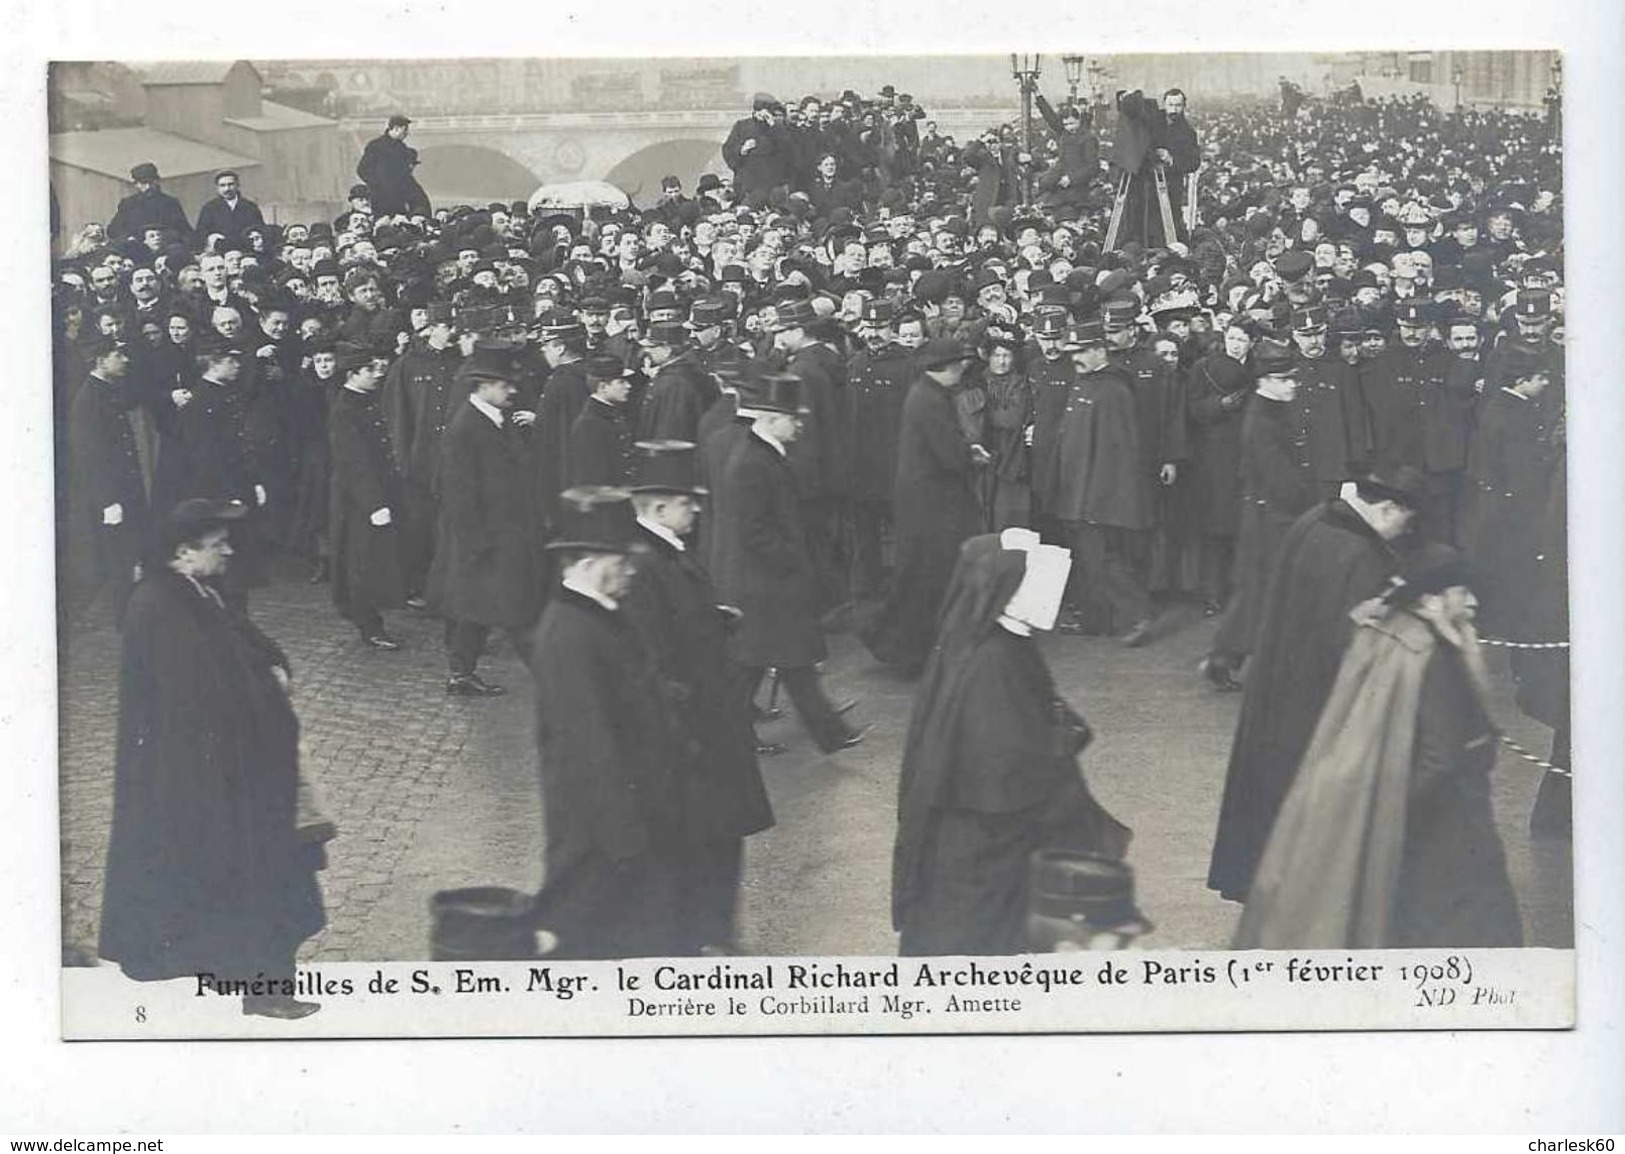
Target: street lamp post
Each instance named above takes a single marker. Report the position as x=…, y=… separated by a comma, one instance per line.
x=1074, y=74
x=1456, y=77
x=1026, y=68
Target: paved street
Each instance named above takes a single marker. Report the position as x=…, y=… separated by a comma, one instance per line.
x=431, y=792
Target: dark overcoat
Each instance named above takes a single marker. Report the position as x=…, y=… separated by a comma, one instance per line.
x=1332, y=400
x=1101, y=481
x=1330, y=561
x=1215, y=441
x=386, y=166
x=1421, y=411
x=674, y=607
x=205, y=871
x=367, y=564
x=608, y=804
x=821, y=456
x=601, y=446
x=487, y=562
x=764, y=566
x=104, y=470
x=877, y=384
x=679, y=396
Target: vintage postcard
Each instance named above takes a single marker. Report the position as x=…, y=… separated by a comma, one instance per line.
x=705, y=546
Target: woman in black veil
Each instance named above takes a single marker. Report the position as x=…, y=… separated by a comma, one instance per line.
x=989, y=769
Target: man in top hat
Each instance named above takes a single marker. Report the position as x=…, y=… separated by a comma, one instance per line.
x=1421, y=415
x=934, y=505
x=681, y=391
x=112, y=448
x=149, y=206
x=418, y=399
x=764, y=564
x=1277, y=487
x=820, y=455
x=1101, y=497
x=487, y=569
x=1333, y=557
x=206, y=869
x=229, y=214
x=365, y=493
x=721, y=798
x=1331, y=401
x=610, y=799
x=386, y=166
x=877, y=380
x=601, y=438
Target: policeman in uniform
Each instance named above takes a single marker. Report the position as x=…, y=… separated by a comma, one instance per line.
x=417, y=402
x=681, y=391
x=1330, y=402
x=1158, y=407
x=877, y=380
x=601, y=438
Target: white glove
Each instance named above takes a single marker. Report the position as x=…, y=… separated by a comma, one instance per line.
x=1027, y=437
x=180, y=397
x=259, y=494
x=1169, y=473
x=380, y=517
x=113, y=514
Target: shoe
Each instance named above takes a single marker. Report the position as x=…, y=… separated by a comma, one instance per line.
x=757, y=713
x=847, y=706
x=1219, y=675
x=770, y=748
x=470, y=685
x=1138, y=636
x=381, y=641
x=850, y=740
x=1211, y=609
x=278, y=1006
x=417, y=603
x=318, y=573
x=1070, y=624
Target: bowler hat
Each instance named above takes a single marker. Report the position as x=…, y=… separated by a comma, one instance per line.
x=1274, y=359
x=665, y=467
x=605, y=367
x=595, y=519
x=145, y=171
x=198, y=515
x=771, y=393
x=939, y=352
x=399, y=120
x=1402, y=484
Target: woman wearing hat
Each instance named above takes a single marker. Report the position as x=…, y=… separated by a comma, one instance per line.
x=1387, y=839
x=989, y=767
x=996, y=410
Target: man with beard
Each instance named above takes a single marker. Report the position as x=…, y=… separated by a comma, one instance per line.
x=386, y=166
x=207, y=873
x=681, y=391
x=229, y=215
x=1335, y=556
x=367, y=573
x=149, y=206
x=675, y=609
x=418, y=396
x=934, y=505
x=486, y=571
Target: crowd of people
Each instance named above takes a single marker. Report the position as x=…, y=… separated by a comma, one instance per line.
x=891, y=368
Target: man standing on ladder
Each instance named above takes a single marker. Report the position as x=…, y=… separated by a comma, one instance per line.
x=1154, y=157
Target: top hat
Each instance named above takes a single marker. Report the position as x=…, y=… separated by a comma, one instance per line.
x=490, y=361
x=771, y=393
x=665, y=467
x=596, y=519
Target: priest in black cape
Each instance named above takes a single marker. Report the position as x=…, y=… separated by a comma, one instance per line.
x=989, y=768
x=206, y=870
x=1335, y=556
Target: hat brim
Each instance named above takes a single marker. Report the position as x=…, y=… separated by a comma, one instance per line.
x=625, y=548
x=754, y=411
x=681, y=490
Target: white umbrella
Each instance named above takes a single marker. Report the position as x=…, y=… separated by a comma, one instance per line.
x=578, y=194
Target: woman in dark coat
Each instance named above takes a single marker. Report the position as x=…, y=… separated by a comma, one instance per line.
x=1218, y=388
x=934, y=506
x=205, y=870
x=989, y=769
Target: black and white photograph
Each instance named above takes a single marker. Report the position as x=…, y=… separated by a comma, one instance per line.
x=550, y=511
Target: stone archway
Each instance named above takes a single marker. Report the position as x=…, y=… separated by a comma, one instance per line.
x=472, y=174
x=639, y=174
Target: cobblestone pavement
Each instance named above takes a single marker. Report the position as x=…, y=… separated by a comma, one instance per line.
x=431, y=792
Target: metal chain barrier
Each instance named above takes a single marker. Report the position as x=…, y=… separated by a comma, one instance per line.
x=1532, y=759
x=1498, y=643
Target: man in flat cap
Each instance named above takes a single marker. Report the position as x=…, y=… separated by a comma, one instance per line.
x=487, y=570
x=386, y=166
x=149, y=206
x=207, y=872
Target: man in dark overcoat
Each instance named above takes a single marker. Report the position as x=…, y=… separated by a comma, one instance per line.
x=564, y=346
x=877, y=382
x=601, y=438
x=229, y=215
x=820, y=455
x=721, y=798
x=681, y=391
x=206, y=870
x=149, y=206
x=109, y=481
x=1332, y=401
x=764, y=564
x=934, y=503
x=760, y=153
x=1335, y=556
x=487, y=570
x=386, y=165
x=418, y=397
x=365, y=493
x=609, y=799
